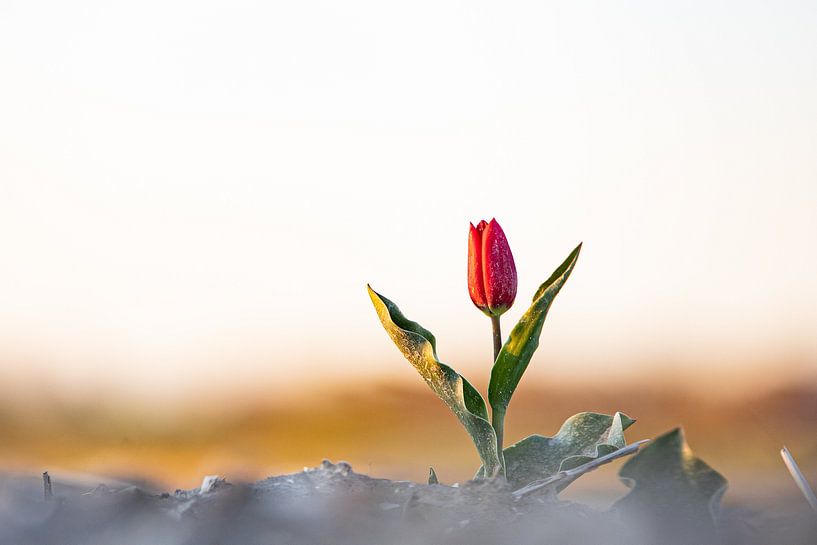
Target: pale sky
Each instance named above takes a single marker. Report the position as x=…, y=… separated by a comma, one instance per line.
x=193, y=195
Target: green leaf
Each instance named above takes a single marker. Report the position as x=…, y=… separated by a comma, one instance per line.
x=673, y=489
x=582, y=438
x=419, y=347
x=515, y=355
x=566, y=476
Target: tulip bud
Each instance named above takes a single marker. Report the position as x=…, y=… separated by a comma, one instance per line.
x=491, y=271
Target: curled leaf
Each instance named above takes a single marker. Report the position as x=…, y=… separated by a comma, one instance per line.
x=569, y=475
x=583, y=438
x=419, y=347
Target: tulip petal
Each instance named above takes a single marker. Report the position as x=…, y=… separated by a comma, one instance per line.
x=476, y=288
x=499, y=270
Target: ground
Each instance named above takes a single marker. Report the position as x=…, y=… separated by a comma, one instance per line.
x=331, y=504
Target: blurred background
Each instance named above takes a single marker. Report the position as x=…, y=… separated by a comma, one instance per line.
x=193, y=196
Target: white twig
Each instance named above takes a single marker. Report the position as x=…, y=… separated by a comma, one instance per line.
x=799, y=478
x=554, y=480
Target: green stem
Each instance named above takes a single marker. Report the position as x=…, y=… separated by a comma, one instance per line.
x=497, y=336
x=498, y=415
x=498, y=422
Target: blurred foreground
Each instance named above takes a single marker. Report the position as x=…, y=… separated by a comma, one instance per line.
x=397, y=431
x=331, y=504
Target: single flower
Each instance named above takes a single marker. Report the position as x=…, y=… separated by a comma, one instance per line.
x=492, y=277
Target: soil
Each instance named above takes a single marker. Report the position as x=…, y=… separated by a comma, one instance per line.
x=333, y=505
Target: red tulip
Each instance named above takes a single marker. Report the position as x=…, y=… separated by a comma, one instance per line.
x=491, y=271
